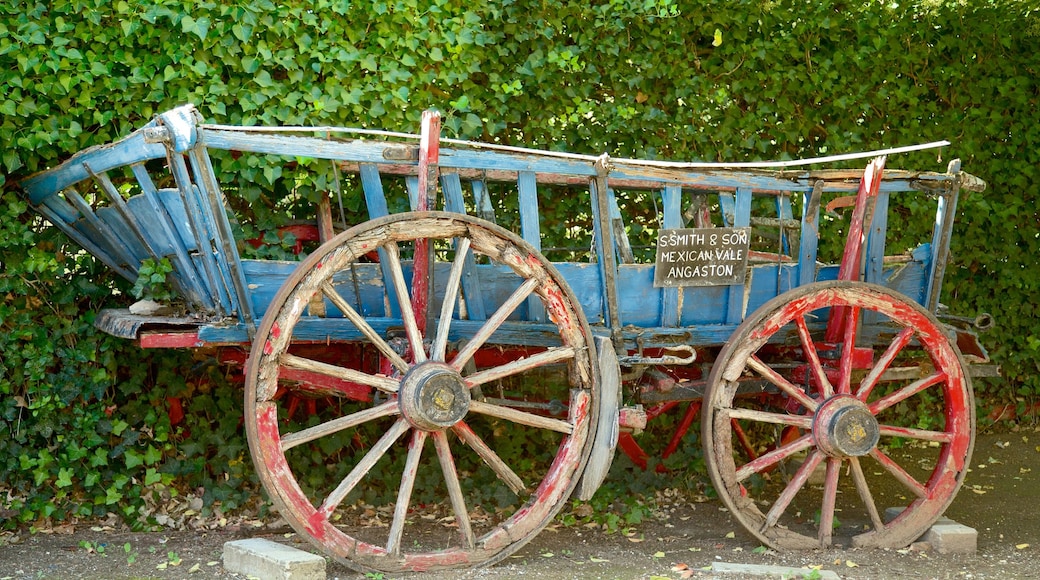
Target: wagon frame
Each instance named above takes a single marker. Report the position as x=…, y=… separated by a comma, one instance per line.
x=420, y=325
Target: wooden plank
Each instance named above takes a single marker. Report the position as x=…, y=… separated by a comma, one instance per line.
x=617, y=223
x=810, y=238
x=530, y=230
x=741, y=218
x=941, y=235
x=482, y=200
x=781, y=182
x=133, y=149
x=375, y=201
x=200, y=232
x=163, y=208
x=672, y=204
x=876, y=240
x=471, y=286
x=232, y=290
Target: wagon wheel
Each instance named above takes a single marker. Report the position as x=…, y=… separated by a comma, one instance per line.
x=467, y=503
x=886, y=419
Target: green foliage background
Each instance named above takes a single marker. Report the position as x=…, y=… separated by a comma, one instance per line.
x=83, y=429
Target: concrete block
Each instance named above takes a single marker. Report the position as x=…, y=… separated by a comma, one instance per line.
x=722, y=568
x=951, y=538
x=945, y=536
x=267, y=560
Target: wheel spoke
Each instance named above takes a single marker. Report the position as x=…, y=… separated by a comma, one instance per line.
x=451, y=479
x=864, y=493
x=507, y=475
x=359, y=321
x=329, y=427
x=529, y=419
x=906, y=392
x=393, y=254
x=911, y=433
x=830, y=494
x=404, y=493
x=362, y=468
x=451, y=294
x=766, y=460
x=803, y=421
x=385, y=384
x=783, y=501
x=550, y=356
x=813, y=358
x=848, y=349
x=899, y=473
x=893, y=350
x=493, y=323
x=783, y=384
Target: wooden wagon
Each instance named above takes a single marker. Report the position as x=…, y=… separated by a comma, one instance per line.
x=413, y=352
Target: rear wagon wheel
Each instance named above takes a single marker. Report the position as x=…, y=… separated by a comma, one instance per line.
x=882, y=418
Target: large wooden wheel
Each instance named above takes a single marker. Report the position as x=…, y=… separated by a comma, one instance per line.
x=429, y=405
x=846, y=423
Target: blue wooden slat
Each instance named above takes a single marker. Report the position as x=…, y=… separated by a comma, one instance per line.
x=482, y=200
x=784, y=212
x=191, y=199
x=741, y=219
x=875, y=251
x=230, y=262
x=530, y=230
x=944, y=217
x=672, y=207
x=412, y=185
x=87, y=242
x=170, y=216
x=374, y=152
x=375, y=200
x=214, y=217
x=119, y=228
x=90, y=226
x=727, y=205
x=130, y=150
x=471, y=285
x=808, y=245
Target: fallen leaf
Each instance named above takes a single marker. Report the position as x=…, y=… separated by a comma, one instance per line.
x=161, y=566
x=658, y=554
x=851, y=564
x=1021, y=546
x=548, y=555
x=194, y=569
x=731, y=535
x=636, y=539
x=596, y=560
x=680, y=567
x=213, y=563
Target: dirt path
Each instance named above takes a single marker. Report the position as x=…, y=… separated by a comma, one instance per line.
x=1001, y=499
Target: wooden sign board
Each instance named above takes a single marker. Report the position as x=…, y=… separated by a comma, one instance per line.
x=701, y=257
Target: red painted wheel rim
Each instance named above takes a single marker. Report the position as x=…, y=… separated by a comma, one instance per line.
x=835, y=407
x=314, y=515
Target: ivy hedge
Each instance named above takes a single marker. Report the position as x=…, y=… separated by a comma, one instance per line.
x=84, y=422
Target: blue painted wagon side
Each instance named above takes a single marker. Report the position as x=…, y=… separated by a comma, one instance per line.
x=155, y=195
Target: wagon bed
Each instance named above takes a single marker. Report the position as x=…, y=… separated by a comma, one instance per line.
x=695, y=283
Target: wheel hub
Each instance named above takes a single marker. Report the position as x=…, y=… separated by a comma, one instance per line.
x=433, y=396
x=844, y=427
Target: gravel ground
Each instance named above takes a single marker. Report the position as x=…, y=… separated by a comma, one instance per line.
x=683, y=540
